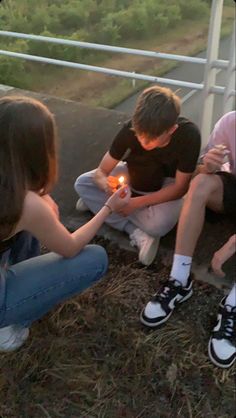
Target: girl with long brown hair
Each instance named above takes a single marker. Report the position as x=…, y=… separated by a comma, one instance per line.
x=31, y=284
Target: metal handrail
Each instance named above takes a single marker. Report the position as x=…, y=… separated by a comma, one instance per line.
x=109, y=48
x=211, y=62
x=110, y=71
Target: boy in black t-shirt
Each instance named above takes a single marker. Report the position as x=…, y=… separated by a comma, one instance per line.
x=159, y=151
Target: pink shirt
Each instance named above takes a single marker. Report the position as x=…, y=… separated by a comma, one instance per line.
x=224, y=133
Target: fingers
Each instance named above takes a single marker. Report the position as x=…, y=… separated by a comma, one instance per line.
x=215, y=156
x=216, y=265
x=219, y=272
x=124, y=193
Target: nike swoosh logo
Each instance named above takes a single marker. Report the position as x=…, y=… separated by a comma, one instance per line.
x=219, y=318
x=172, y=303
x=186, y=264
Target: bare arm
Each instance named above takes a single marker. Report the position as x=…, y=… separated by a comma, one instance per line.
x=222, y=255
x=101, y=175
x=172, y=192
x=39, y=219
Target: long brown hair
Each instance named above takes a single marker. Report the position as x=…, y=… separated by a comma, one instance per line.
x=28, y=158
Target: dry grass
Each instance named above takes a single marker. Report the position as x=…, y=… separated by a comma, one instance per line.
x=91, y=357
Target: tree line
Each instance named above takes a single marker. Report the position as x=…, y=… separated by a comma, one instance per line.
x=110, y=22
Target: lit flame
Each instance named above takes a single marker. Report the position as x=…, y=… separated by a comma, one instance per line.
x=121, y=180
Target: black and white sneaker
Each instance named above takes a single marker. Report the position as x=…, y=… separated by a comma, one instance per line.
x=161, y=306
x=222, y=344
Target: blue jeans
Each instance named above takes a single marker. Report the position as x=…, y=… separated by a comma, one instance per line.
x=30, y=288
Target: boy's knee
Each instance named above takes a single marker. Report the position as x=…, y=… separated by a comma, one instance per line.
x=82, y=181
x=157, y=228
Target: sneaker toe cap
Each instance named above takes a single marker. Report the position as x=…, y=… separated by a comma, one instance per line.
x=223, y=349
x=154, y=310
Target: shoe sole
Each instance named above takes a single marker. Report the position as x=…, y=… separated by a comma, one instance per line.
x=154, y=325
x=147, y=261
x=214, y=361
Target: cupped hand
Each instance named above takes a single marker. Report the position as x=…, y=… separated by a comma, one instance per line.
x=132, y=205
x=112, y=184
x=214, y=159
x=119, y=199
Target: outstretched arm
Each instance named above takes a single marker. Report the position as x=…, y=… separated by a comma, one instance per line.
x=40, y=220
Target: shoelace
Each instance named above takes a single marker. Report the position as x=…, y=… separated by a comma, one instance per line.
x=166, y=292
x=228, y=327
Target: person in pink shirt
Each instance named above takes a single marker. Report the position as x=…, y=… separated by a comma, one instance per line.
x=213, y=187
x=224, y=134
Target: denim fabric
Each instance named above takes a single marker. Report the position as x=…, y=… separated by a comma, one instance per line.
x=32, y=287
x=24, y=246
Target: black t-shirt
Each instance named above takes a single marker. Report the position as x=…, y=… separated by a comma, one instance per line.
x=147, y=169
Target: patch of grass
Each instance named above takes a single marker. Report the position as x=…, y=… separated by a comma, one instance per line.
x=124, y=88
x=91, y=358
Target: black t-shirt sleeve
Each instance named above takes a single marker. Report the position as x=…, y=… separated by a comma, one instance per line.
x=121, y=142
x=190, y=148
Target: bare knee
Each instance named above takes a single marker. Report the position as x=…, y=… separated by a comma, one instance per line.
x=201, y=187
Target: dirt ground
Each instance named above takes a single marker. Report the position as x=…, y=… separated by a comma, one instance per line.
x=91, y=357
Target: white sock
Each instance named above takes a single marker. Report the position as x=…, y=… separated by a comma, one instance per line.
x=231, y=298
x=181, y=268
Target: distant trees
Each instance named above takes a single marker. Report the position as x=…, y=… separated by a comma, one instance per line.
x=102, y=21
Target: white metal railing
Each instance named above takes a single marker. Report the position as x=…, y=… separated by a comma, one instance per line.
x=115, y=49
x=211, y=63
x=110, y=71
x=210, y=71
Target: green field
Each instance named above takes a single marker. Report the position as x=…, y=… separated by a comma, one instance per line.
x=177, y=27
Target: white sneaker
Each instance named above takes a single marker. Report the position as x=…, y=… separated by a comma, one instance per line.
x=12, y=337
x=222, y=344
x=146, y=244
x=81, y=206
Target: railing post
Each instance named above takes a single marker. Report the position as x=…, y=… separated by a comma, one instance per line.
x=210, y=72
x=229, y=99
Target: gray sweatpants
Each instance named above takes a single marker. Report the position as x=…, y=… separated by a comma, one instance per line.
x=155, y=220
